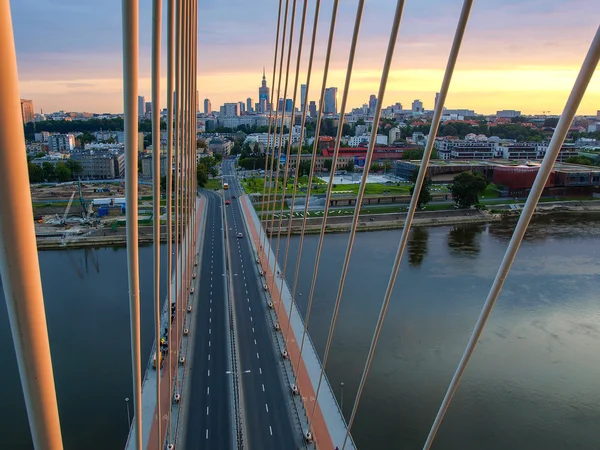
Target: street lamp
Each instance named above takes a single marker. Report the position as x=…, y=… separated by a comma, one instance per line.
x=342, y=397
x=128, y=416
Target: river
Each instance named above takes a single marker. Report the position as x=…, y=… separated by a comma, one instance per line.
x=532, y=382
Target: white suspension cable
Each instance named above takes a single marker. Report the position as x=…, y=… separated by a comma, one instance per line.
x=130, y=92
x=357, y=23
x=280, y=147
x=312, y=169
x=19, y=265
x=169, y=195
x=285, y=18
x=585, y=74
x=303, y=123
x=177, y=157
x=262, y=199
x=156, y=40
x=435, y=122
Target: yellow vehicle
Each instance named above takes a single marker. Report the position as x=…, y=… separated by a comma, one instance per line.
x=225, y=186
x=159, y=359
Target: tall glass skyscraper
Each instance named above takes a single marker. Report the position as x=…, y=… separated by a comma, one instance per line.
x=263, y=92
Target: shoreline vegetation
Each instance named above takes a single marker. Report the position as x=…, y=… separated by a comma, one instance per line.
x=342, y=223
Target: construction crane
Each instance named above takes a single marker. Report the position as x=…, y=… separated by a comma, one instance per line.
x=82, y=200
x=64, y=218
x=545, y=112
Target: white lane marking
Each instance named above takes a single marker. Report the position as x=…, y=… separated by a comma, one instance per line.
x=260, y=370
x=263, y=386
x=209, y=357
x=207, y=410
x=267, y=407
x=249, y=309
x=257, y=357
x=209, y=343
x=250, y=318
x=209, y=320
x=209, y=372
x=253, y=329
x=254, y=341
x=248, y=300
x=270, y=430
x=207, y=433
x=208, y=390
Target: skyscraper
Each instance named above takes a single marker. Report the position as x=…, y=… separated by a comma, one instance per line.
x=141, y=105
x=437, y=97
x=241, y=107
x=417, y=106
x=312, y=109
x=27, y=110
x=288, y=105
x=249, y=105
x=330, y=106
x=148, y=107
x=207, y=106
x=372, y=103
x=263, y=92
x=302, y=96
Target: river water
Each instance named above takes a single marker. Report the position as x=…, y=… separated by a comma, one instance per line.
x=532, y=383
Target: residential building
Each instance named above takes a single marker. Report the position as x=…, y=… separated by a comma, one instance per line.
x=330, y=106
x=42, y=136
x=241, y=108
x=148, y=168
x=508, y=113
x=101, y=165
x=207, y=107
x=148, y=110
x=221, y=146
x=394, y=135
x=357, y=141
x=372, y=103
x=27, y=110
x=61, y=142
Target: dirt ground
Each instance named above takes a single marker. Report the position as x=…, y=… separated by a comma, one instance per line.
x=63, y=191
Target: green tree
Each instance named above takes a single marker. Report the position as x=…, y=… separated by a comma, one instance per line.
x=466, y=188
x=425, y=195
x=304, y=168
x=201, y=175
x=375, y=167
x=36, y=173
x=75, y=167
x=582, y=160
x=63, y=173
x=327, y=164
x=350, y=166
x=48, y=171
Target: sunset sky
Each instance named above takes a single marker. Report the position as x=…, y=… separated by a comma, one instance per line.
x=517, y=54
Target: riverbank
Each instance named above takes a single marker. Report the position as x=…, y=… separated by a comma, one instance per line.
x=389, y=221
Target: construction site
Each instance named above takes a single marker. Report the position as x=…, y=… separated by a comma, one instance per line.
x=83, y=213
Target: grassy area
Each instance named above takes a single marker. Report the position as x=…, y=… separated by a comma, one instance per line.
x=491, y=191
x=213, y=184
x=256, y=185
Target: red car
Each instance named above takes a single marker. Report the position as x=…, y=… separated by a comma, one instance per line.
x=227, y=202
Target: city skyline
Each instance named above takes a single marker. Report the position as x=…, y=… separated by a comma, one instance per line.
x=516, y=55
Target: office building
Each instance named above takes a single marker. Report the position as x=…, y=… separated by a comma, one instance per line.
x=241, y=107
x=141, y=105
x=312, y=109
x=229, y=110
x=249, y=105
x=417, y=106
x=302, y=96
x=27, y=110
x=148, y=108
x=207, y=106
x=330, y=106
x=508, y=113
x=61, y=142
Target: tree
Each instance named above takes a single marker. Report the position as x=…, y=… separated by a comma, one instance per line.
x=36, y=174
x=582, y=160
x=375, y=167
x=327, y=163
x=425, y=195
x=466, y=188
x=48, y=171
x=304, y=168
x=63, y=173
x=201, y=175
x=350, y=166
x=75, y=167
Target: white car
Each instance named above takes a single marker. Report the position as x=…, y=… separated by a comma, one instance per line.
x=239, y=235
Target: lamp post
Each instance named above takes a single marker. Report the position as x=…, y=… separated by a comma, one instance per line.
x=128, y=416
x=342, y=397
